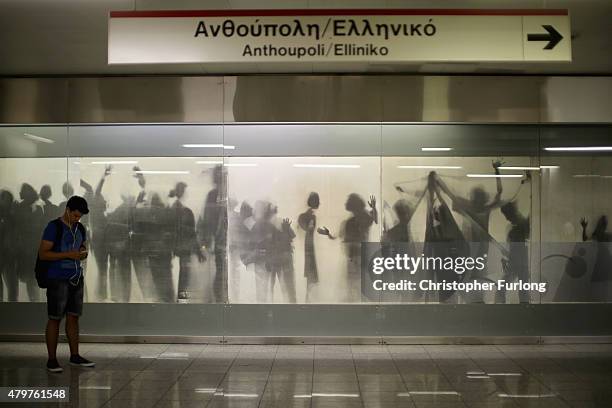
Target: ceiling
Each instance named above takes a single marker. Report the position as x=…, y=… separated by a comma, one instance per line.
x=69, y=37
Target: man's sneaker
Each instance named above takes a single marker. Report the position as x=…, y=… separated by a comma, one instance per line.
x=77, y=360
x=54, y=367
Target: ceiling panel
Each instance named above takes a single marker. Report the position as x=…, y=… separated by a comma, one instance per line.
x=74, y=39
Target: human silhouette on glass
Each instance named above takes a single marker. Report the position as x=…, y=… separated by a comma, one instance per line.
x=50, y=210
x=602, y=273
x=476, y=210
x=185, y=241
x=238, y=244
x=67, y=192
x=8, y=246
x=117, y=240
x=260, y=250
x=280, y=262
x=140, y=227
x=400, y=232
x=307, y=221
x=354, y=231
x=515, y=263
x=398, y=239
x=212, y=231
x=97, y=224
x=158, y=241
x=29, y=222
x=443, y=238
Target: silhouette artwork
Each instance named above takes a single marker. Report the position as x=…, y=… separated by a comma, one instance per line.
x=602, y=273
x=117, y=240
x=158, y=240
x=307, y=221
x=238, y=244
x=443, y=237
x=515, y=264
x=476, y=211
x=473, y=237
x=97, y=224
x=212, y=231
x=8, y=247
x=185, y=241
x=354, y=231
x=398, y=241
x=29, y=223
x=50, y=210
x=141, y=225
x=67, y=192
x=281, y=261
x=260, y=250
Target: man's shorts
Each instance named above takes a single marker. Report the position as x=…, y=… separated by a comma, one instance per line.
x=64, y=298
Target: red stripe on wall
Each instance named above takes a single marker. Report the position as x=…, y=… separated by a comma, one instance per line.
x=338, y=12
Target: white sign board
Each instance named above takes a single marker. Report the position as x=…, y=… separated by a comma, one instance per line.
x=389, y=35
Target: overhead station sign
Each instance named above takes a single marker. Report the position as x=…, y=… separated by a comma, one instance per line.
x=379, y=35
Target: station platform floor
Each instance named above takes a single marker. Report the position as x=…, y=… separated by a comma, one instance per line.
x=318, y=376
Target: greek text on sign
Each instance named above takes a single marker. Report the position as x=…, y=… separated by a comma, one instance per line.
x=418, y=35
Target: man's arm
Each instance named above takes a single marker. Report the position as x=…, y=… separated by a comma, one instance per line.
x=45, y=253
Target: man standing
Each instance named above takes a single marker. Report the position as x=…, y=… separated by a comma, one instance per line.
x=64, y=249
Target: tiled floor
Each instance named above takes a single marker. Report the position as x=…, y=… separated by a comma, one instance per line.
x=189, y=376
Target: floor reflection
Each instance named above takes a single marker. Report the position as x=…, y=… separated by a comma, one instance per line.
x=237, y=376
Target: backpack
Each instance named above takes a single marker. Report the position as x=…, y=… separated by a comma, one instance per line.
x=42, y=267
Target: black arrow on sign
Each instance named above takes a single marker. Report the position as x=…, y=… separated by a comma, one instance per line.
x=553, y=37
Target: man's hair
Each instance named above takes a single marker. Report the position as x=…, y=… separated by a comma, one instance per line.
x=76, y=203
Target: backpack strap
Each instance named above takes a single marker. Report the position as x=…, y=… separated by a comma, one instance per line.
x=81, y=229
x=59, y=231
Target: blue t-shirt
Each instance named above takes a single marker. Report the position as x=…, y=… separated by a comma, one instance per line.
x=71, y=241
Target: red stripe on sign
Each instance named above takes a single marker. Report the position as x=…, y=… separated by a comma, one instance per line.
x=338, y=12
